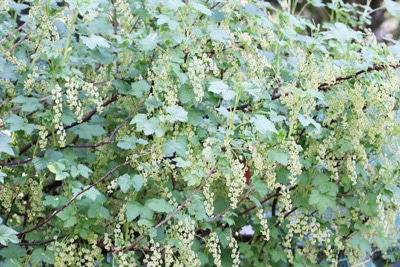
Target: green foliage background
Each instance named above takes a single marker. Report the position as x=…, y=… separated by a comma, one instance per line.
x=128, y=129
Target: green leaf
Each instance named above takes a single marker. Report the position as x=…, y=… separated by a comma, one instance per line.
x=322, y=201
x=16, y=123
x=221, y=88
x=58, y=169
x=97, y=210
x=186, y=94
x=176, y=113
x=88, y=131
x=262, y=124
x=149, y=127
x=172, y=146
x=133, y=210
x=54, y=201
x=68, y=215
x=84, y=171
x=137, y=182
x=218, y=34
x=41, y=255
x=278, y=156
x=164, y=19
x=14, y=262
x=201, y=8
x=321, y=181
x=7, y=235
x=393, y=8
x=278, y=255
x=138, y=88
x=94, y=40
x=7, y=70
x=12, y=251
x=362, y=243
x=152, y=126
x=307, y=121
x=173, y=5
x=383, y=242
x=94, y=194
x=29, y=104
x=139, y=120
x=346, y=33
x=145, y=222
x=181, y=163
x=160, y=205
x=124, y=182
x=149, y=43
x=80, y=169
x=5, y=147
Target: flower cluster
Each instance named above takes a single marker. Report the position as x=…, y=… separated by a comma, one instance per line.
x=125, y=17
x=214, y=248
x=58, y=108
x=235, y=181
x=94, y=95
x=235, y=250
x=183, y=230
x=294, y=165
x=264, y=224
x=208, y=198
x=72, y=89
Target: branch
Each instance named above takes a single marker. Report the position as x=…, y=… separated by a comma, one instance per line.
x=134, y=25
x=285, y=216
x=244, y=197
x=276, y=194
x=32, y=244
x=86, y=118
x=19, y=42
x=76, y=196
x=14, y=32
x=170, y=216
x=109, y=140
x=112, y=99
x=326, y=87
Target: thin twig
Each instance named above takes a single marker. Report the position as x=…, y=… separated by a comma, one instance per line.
x=134, y=25
x=109, y=140
x=244, y=197
x=14, y=32
x=41, y=243
x=48, y=219
x=170, y=216
x=86, y=118
x=18, y=43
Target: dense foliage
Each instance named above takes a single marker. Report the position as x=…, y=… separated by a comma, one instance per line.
x=153, y=131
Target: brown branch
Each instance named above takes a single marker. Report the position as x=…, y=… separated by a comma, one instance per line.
x=109, y=140
x=285, y=216
x=86, y=118
x=18, y=43
x=76, y=196
x=243, y=198
x=134, y=25
x=14, y=163
x=326, y=87
x=41, y=243
x=112, y=99
x=14, y=32
x=276, y=194
x=171, y=215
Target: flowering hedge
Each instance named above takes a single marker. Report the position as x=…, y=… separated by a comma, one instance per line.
x=151, y=132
